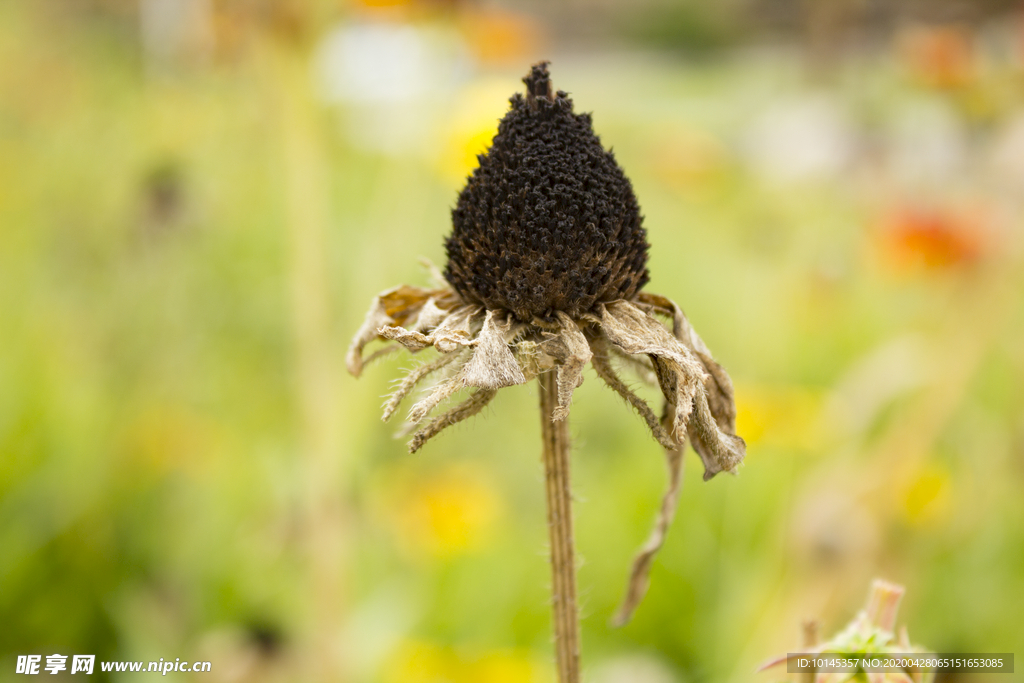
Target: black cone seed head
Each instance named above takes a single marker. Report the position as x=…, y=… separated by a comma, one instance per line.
x=548, y=221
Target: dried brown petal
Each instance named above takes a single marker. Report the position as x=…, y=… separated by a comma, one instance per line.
x=718, y=385
x=717, y=450
x=679, y=373
x=570, y=348
x=376, y=318
x=430, y=316
x=605, y=371
x=493, y=366
x=410, y=339
x=458, y=329
x=441, y=392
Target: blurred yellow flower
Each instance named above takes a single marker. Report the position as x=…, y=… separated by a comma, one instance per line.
x=471, y=126
x=422, y=662
x=447, y=513
x=926, y=495
x=784, y=417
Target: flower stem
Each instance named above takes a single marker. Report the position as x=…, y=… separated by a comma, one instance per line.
x=563, y=560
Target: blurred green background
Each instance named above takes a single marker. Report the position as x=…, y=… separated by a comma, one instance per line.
x=199, y=199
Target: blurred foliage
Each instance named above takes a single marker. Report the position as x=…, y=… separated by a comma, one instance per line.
x=692, y=28
x=187, y=244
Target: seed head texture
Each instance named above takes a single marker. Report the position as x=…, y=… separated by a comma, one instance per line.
x=548, y=221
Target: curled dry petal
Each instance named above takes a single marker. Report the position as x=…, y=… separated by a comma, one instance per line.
x=493, y=366
x=605, y=371
x=376, y=317
x=457, y=329
x=450, y=333
x=410, y=339
x=571, y=350
x=679, y=391
x=441, y=392
x=679, y=373
x=717, y=450
x=389, y=308
x=689, y=391
x=718, y=385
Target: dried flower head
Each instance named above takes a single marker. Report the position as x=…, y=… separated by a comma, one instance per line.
x=546, y=260
x=873, y=633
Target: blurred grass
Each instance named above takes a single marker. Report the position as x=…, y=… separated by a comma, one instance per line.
x=170, y=484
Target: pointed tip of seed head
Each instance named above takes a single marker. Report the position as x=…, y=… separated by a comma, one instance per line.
x=538, y=82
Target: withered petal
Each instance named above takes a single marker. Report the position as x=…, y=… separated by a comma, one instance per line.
x=605, y=371
x=570, y=348
x=717, y=450
x=493, y=366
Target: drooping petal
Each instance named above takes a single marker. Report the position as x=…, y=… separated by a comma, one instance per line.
x=441, y=392
x=679, y=373
x=493, y=366
x=717, y=450
x=708, y=414
x=570, y=348
x=376, y=318
x=679, y=390
x=605, y=371
x=718, y=385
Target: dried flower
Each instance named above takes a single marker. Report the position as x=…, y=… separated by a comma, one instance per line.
x=872, y=632
x=546, y=262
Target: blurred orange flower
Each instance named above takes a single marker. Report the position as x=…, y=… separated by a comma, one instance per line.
x=500, y=37
x=939, y=56
x=912, y=237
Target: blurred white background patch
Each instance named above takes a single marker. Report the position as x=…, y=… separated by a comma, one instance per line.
x=392, y=79
x=800, y=139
